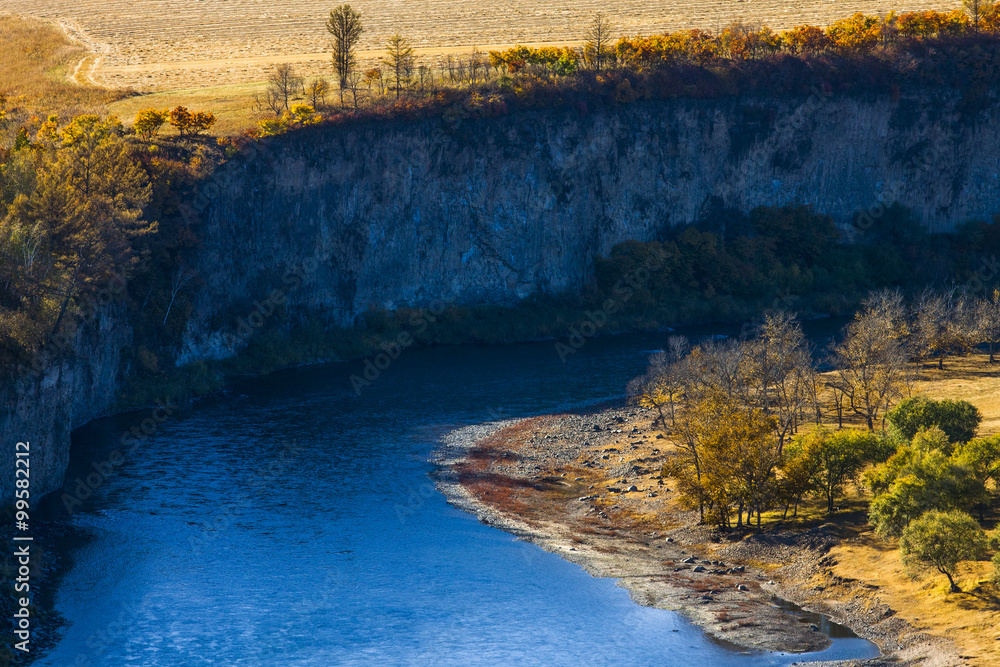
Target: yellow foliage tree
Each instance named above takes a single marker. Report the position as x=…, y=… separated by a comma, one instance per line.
x=148, y=122
x=190, y=124
x=75, y=230
x=857, y=34
x=731, y=459
x=806, y=39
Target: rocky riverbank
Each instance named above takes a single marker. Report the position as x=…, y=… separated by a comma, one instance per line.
x=587, y=486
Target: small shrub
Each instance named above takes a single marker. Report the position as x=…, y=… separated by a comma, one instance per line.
x=191, y=124
x=148, y=122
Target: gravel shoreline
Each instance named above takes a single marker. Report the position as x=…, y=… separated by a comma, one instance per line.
x=570, y=484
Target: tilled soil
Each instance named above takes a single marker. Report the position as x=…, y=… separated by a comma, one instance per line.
x=174, y=44
x=587, y=486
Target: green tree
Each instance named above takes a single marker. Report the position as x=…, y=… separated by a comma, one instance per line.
x=943, y=540
x=799, y=470
x=345, y=26
x=916, y=480
x=982, y=457
x=399, y=59
x=838, y=457
x=958, y=419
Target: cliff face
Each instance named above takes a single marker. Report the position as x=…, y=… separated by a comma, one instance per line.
x=42, y=408
x=492, y=210
x=339, y=220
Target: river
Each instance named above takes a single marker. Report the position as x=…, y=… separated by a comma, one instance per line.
x=292, y=521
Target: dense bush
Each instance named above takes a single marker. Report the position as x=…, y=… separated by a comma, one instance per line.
x=958, y=419
x=788, y=258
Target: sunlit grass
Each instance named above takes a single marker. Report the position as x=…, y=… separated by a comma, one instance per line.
x=38, y=59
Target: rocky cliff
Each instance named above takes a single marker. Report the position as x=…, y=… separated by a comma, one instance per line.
x=335, y=221
x=43, y=407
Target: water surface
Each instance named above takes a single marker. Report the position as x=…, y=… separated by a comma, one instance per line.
x=294, y=522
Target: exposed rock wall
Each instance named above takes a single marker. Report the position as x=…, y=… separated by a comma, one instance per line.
x=335, y=221
x=42, y=408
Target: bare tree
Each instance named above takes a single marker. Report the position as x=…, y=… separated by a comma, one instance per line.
x=597, y=50
x=345, y=26
x=663, y=382
x=353, y=84
x=269, y=99
x=977, y=9
x=180, y=278
x=317, y=92
x=282, y=83
x=477, y=64
x=424, y=72
x=872, y=359
x=988, y=319
x=777, y=367
x=945, y=324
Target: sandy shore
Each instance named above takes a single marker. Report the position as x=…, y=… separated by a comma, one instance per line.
x=586, y=486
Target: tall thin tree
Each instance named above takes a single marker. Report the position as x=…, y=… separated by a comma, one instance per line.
x=399, y=60
x=597, y=51
x=345, y=26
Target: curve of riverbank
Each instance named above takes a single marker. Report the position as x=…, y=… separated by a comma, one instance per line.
x=585, y=485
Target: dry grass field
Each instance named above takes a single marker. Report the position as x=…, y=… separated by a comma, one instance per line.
x=970, y=619
x=175, y=44
x=39, y=64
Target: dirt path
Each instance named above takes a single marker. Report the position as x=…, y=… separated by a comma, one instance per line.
x=85, y=70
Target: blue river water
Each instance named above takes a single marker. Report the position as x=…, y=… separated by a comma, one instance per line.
x=294, y=522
